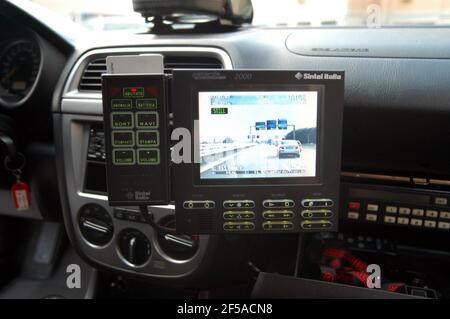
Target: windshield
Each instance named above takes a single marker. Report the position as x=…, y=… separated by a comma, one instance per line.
x=118, y=15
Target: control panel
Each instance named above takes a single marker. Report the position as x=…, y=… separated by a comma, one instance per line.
x=409, y=207
x=267, y=215
x=253, y=151
x=136, y=139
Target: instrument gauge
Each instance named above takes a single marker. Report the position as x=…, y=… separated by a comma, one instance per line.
x=20, y=64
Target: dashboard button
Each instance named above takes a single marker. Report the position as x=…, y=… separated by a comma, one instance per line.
x=122, y=120
x=320, y=213
x=278, y=203
x=122, y=138
x=416, y=222
x=440, y=200
x=429, y=224
x=238, y=226
x=277, y=225
x=403, y=221
x=418, y=212
x=238, y=204
x=404, y=211
x=146, y=104
x=432, y=213
x=314, y=203
x=444, y=225
x=198, y=204
x=123, y=157
x=391, y=209
x=445, y=215
x=128, y=214
x=147, y=120
x=133, y=92
x=354, y=205
x=390, y=219
x=316, y=224
x=148, y=156
x=238, y=215
x=121, y=104
x=147, y=138
x=278, y=214
x=353, y=215
x=372, y=207
x=371, y=217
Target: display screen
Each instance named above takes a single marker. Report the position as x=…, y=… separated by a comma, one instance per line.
x=258, y=134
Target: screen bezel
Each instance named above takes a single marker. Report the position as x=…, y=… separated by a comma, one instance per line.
x=260, y=87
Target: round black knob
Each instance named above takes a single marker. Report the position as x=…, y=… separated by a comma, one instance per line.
x=180, y=247
x=96, y=225
x=134, y=247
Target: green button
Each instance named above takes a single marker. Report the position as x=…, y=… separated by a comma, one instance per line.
x=121, y=104
x=148, y=156
x=123, y=157
x=147, y=120
x=146, y=104
x=147, y=138
x=122, y=120
x=123, y=138
x=133, y=92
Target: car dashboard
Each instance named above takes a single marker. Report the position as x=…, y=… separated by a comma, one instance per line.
x=394, y=202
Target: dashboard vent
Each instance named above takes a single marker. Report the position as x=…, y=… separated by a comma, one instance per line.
x=91, y=79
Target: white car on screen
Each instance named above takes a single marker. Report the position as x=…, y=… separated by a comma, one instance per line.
x=289, y=148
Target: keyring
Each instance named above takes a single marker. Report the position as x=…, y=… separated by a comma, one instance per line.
x=8, y=162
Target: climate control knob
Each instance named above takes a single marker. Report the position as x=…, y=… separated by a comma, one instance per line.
x=96, y=225
x=134, y=247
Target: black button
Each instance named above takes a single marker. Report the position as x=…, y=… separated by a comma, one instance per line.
x=278, y=203
x=321, y=213
x=281, y=225
x=238, y=226
x=123, y=138
x=319, y=224
x=147, y=120
x=123, y=157
x=278, y=214
x=199, y=204
x=314, y=203
x=238, y=215
x=148, y=156
x=122, y=120
x=147, y=138
x=238, y=204
x=121, y=104
x=133, y=92
x=146, y=104
x=129, y=215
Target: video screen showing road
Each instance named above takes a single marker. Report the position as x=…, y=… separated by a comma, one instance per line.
x=258, y=134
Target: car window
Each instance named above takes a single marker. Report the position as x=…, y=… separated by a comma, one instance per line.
x=106, y=15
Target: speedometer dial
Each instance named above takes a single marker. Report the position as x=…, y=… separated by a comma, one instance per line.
x=20, y=63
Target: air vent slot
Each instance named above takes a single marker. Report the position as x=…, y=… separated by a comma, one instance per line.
x=91, y=79
x=184, y=62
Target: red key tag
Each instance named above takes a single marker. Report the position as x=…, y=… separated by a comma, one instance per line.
x=21, y=196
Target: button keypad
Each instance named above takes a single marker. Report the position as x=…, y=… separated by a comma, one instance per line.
x=424, y=216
